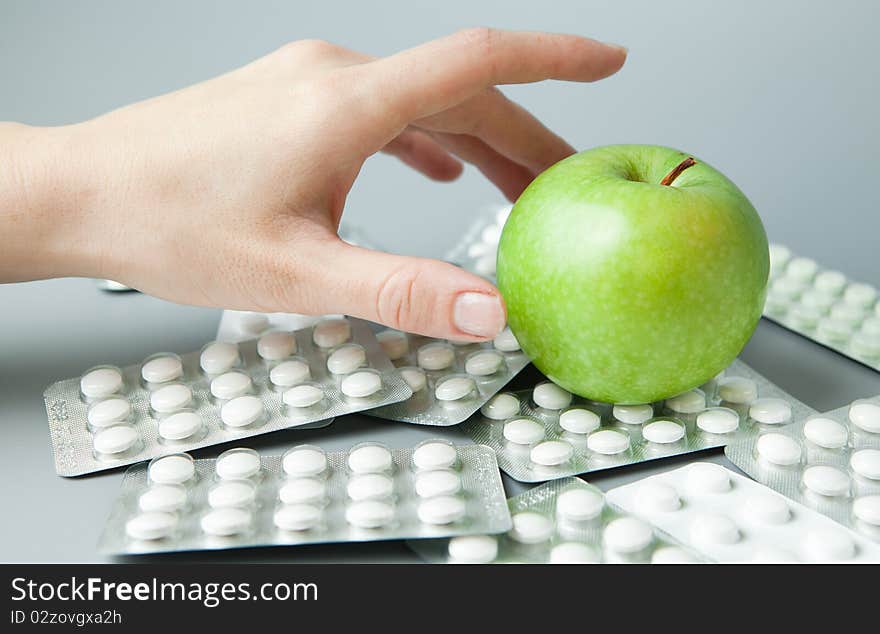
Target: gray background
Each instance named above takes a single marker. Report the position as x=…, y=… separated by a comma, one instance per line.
x=781, y=96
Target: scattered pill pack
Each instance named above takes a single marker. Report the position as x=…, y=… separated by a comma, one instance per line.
x=728, y=518
x=450, y=381
x=113, y=416
x=307, y=496
x=477, y=251
x=829, y=462
x=823, y=305
x=562, y=522
x=548, y=433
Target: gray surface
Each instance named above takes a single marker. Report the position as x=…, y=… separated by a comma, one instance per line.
x=781, y=96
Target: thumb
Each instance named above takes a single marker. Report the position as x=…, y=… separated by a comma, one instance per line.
x=416, y=295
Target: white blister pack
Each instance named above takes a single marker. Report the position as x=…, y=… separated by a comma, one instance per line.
x=828, y=462
x=307, y=496
x=729, y=518
x=825, y=306
x=547, y=433
x=113, y=416
x=477, y=251
x=450, y=381
x=562, y=522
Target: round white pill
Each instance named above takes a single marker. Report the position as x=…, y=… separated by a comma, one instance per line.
x=551, y=396
x=817, y=301
x=707, y=478
x=369, y=514
x=150, y=526
x=766, y=508
x=114, y=440
x=737, y=389
x=654, y=497
x=871, y=326
x=672, y=555
x=829, y=545
x=361, y=384
x=865, y=416
x=770, y=411
x=454, y=388
x=485, y=265
x=232, y=493
x=779, y=449
x=866, y=463
x=369, y=486
x=689, y=402
x=302, y=491
x=804, y=317
x=290, y=373
x=632, y=414
x=242, y=411
x=579, y=420
x=432, y=483
x=491, y=234
x=166, y=498
x=303, y=396
x=414, y=378
x=848, y=314
x=866, y=344
x=663, y=432
x=627, y=535
x=174, y=469
x=714, y=528
x=219, y=357
x=579, y=504
x=441, y=510
x=434, y=454
x=162, y=369
x=395, y=344
x=101, y=382
x=274, y=346
x=506, y=341
x=230, y=385
x=834, y=330
x=435, y=356
x=346, y=359
x=825, y=480
x=551, y=453
x=369, y=459
x=297, y=517
x=867, y=509
x=573, y=553
x=530, y=528
x=501, y=407
x=718, y=420
x=473, y=549
x=830, y=282
x=826, y=433
x=180, y=426
x=252, y=324
x=109, y=412
x=801, y=269
x=332, y=332
x=858, y=294
x=304, y=460
x=523, y=431
x=226, y=521
x=779, y=256
x=170, y=398
x=607, y=442
x=238, y=464
x=786, y=289
x=483, y=363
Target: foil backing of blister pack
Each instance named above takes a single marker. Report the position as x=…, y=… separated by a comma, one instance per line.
x=574, y=533
x=481, y=490
x=834, y=465
x=72, y=440
x=517, y=459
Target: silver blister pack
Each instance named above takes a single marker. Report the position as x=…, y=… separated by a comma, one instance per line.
x=547, y=433
x=307, y=496
x=828, y=462
x=729, y=518
x=477, y=250
x=562, y=522
x=823, y=305
x=450, y=381
x=110, y=416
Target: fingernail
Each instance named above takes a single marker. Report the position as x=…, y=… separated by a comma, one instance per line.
x=623, y=49
x=478, y=314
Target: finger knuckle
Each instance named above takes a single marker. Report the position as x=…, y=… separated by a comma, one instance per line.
x=303, y=50
x=401, y=299
x=481, y=42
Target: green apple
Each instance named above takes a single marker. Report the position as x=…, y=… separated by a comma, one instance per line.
x=632, y=273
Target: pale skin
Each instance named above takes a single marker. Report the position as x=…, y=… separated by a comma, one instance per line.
x=229, y=193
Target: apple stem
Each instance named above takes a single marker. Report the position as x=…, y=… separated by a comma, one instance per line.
x=677, y=170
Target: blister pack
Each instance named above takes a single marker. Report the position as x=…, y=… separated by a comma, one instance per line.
x=729, y=518
x=113, y=416
x=562, y=522
x=547, y=433
x=450, y=381
x=477, y=251
x=825, y=306
x=828, y=462
x=307, y=496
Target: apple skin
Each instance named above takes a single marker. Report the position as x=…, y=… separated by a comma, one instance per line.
x=624, y=290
